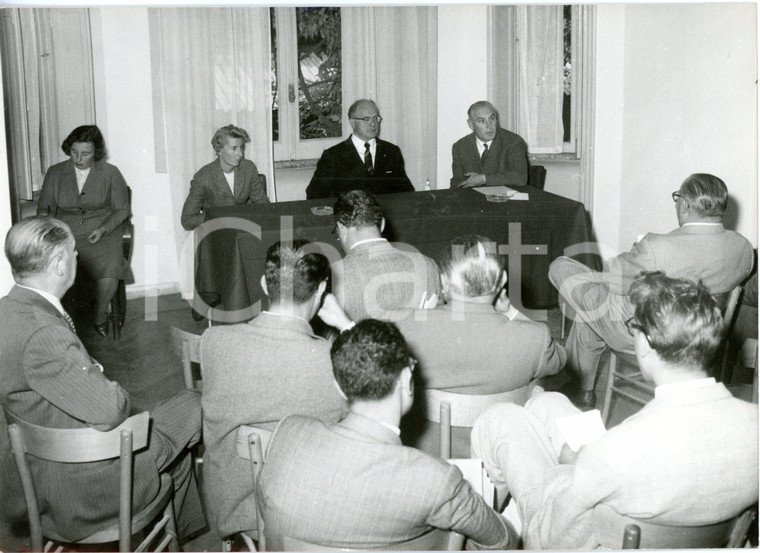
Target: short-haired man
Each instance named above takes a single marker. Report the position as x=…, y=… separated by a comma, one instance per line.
x=688, y=458
x=47, y=378
x=228, y=180
x=490, y=155
x=259, y=372
x=353, y=484
x=362, y=162
x=375, y=278
x=701, y=249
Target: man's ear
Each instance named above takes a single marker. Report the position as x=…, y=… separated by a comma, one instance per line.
x=382, y=225
x=502, y=280
x=263, y=283
x=469, y=124
x=321, y=290
x=58, y=265
x=406, y=380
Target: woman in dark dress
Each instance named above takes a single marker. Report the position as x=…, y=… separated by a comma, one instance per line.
x=90, y=196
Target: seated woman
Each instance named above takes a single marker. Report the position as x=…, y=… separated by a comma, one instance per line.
x=228, y=180
x=91, y=197
x=477, y=343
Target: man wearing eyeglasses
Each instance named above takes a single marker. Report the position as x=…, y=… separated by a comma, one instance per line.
x=490, y=155
x=362, y=162
x=688, y=458
x=700, y=249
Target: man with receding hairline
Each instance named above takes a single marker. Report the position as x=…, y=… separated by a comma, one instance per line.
x=490, y=155
x=700, y=249
x=362, y=162
x=258, y=372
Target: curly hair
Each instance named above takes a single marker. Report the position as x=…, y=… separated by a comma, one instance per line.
x=225, y=133
x=291, y=275
x=368, y=359
x=86, y=133
x=357, y=209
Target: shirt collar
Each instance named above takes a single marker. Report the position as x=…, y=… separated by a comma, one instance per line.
x=283, y=315
x=700, y=223
x=48, y=296
x=367, y=241
x=359, y=143
x=395, y=429
x=682, y=388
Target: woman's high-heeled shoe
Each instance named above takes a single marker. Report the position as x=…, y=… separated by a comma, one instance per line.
x=101, y=329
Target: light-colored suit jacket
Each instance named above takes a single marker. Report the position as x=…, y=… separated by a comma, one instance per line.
x=507, y=161
x=376, y=279
x=256, y=374
x=209, y=188
x=354, y=484
x=688, y=459
x=48, y=378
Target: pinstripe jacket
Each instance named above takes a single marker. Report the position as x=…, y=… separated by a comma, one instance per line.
x=48, y=378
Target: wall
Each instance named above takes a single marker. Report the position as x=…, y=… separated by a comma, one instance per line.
x=121, y=44
x=6, y=279
x=689, y=105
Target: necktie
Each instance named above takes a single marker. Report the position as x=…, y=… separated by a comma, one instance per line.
x=69, y=321
x=368, y=159
x=484, y=155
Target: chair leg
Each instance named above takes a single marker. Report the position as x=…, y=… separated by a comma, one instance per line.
x=611, y=371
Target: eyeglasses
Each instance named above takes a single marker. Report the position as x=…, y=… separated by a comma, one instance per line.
x=376, y=119
x=631, y=324
x=675, y=196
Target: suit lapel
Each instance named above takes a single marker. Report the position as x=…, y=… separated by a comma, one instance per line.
x=352, y=157
x=220, y=182
x=93, y=178
x=491, y=164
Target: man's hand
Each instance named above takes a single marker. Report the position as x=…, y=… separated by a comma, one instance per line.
x=332, y=314
x=473, y=179
x=567, y=456
x=96, y=235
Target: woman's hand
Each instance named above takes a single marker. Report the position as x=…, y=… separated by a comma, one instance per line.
x=96, y=235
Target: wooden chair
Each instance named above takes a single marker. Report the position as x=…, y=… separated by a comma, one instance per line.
x=731, y=533
x=449, y=409
x=252, y=442
x=187, y=346
x=434, y=540
x=537, y=176
x=86, y=445
x=117, y=308
x=631, y=383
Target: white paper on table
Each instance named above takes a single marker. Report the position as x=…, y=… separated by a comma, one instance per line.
x=501, y=191
x=582, y=428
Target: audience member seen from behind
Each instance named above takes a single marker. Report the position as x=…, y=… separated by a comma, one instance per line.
x=700, y=249
x=688, y=458
x=47, y=378
x=353, y=484
x=363, y=161
x=490, y=155
x=228, y=180
x=375, y=278
x=477, y=343
x=90, y=196
x=257, y=373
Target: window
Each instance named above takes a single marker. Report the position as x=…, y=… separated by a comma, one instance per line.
x=569, y=100
x=306, y=81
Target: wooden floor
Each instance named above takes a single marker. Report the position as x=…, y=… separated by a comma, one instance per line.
x=143, y=362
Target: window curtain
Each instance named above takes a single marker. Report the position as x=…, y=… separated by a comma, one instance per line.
x=390, y=56
x=526, y=73
x=211, y=67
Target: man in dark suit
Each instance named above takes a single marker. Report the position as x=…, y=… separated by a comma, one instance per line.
x=229, y=180
x=362, y=162
x=489, y=156
x=47, y=378
x=352, y=484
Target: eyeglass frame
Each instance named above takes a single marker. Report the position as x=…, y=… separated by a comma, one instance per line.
x=369, y=119
x=631, y=324
x=675, y=195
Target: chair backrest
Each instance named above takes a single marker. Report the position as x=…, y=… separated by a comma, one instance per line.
x=79, y=445
x=537, y=176
x=128, y=230
x=450, y=409
x=613, y=530
x=252, y=442
x=187, y=346
x=434, y=540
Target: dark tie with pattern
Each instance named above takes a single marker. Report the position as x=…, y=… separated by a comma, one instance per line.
x=368, y=159
x=69, y=321
x=484, y=155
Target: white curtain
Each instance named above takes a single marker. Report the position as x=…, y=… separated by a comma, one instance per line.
x=211, y=67
x=390, y=56
x=527, y=66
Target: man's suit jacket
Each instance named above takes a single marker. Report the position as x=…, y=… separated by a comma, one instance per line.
x=48, y=378
x=341, y=169
x=690, y=459
x=354, y=484
x=256, y=374
x=470, y=348
x=209, y=188
x=375, y=279
x=507, y=161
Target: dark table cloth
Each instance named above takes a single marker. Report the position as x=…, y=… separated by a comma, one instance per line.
x=532, y=233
